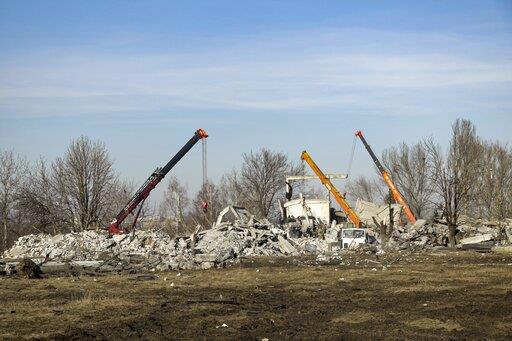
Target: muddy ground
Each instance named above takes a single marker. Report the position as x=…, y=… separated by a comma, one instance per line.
x=455, y=295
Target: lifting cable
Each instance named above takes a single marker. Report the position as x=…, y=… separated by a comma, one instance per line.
x=351, y=160
x=205, y=177
x=304, y=180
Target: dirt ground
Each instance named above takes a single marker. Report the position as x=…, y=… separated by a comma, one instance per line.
x=449, y=295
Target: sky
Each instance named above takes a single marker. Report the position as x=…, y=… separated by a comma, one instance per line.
x=142, y=76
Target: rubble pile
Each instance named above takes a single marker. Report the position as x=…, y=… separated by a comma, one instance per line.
x=154, y=250
x=228, y=242
x=425, y=236
x=418, y=236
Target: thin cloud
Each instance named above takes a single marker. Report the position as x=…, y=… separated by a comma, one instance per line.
x=357, y=70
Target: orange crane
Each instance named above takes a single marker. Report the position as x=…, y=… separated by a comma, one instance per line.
x=387, y=178
x=328, y=184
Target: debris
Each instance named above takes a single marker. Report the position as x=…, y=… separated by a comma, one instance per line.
x=153, y=250
x=310, y=247
x=477, y=239
x=419, y=224
x=502, y=249
x=95, y=252
x=368, y=210
x=508, y=233
x=145, y=277
x=479, y=247
x=238, y=213
x=29, y=269
x=285, y=246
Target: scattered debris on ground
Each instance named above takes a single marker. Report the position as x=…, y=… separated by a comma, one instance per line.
x=481, y=235
x=96, y=252
x=29, y=269
x=450, y=295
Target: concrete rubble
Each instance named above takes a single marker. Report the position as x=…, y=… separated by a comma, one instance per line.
x=153, y=250
x=425, y=235
x=367, y=211
x=227, y=242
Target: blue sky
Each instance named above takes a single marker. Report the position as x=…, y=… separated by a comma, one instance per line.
x=142, y=76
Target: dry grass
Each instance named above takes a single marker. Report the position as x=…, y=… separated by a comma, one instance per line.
x=420, y=296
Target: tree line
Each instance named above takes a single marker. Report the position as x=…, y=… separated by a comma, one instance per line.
x=471, y=177
x=81, y=189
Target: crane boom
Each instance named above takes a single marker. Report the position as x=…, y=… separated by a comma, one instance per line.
x=290, y=178
x=328, y=184
x=153, y=180
x=310, y=177
x=387, y=178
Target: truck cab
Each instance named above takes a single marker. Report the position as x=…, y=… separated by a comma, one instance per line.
x=352, y=237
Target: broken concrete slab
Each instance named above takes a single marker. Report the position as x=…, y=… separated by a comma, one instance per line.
x=311, y=248
x=477, y=239
x=479, y=247
x=285, y=246
x=207, y=265
x=205, y=257
x=502, y=249
x=367, y=211
x=418, y=224
x=508, y=233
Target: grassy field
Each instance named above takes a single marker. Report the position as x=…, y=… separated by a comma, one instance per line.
x=417, y=296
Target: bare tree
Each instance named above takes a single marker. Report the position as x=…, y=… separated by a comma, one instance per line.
x=231, y=190
x=85, y=180
x=492, y=191
x=12, y=170
x=408, y=167
x=371, y=190
x=454, y=175
x=38, y=201
x=262, y=179
x=76, y=191
x=176, y=200
x=206, y=217
x=121, y=193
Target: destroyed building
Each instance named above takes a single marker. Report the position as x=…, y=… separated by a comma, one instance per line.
x=226, y=243
x=309, y=226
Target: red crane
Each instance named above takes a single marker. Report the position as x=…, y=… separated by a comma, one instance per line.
x=143, y=192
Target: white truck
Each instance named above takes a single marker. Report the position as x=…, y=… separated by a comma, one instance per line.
x=352, y=237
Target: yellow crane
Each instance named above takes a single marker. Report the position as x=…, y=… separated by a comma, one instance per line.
x=328, y=184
